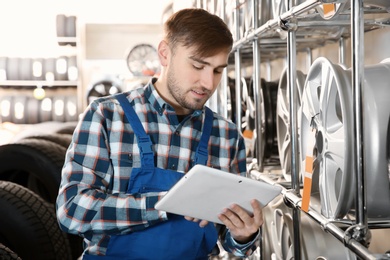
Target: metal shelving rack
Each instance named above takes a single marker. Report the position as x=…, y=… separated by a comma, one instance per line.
x=262, y=41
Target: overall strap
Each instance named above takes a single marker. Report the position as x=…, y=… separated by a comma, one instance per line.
x=144, y=142
x=202, y=152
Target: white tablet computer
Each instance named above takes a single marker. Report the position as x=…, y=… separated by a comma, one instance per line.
x=204, y=192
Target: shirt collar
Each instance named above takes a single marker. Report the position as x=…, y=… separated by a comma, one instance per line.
x=159, y=103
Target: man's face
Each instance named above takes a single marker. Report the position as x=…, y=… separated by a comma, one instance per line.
x=191, y=80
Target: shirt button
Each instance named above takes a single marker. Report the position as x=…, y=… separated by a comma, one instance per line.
x=173, y=167
x=177, y=133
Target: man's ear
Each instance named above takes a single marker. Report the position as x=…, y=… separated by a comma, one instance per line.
x=163, y=53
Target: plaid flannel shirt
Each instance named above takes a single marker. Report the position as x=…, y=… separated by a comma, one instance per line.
x=92, y=200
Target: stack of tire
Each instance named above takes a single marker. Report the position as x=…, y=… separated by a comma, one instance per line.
x=30, y=174
x=58, y=105
x=66, y=29
x=35, y=68
x=20, y=100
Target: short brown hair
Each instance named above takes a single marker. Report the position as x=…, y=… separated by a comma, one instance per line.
x=197, y=27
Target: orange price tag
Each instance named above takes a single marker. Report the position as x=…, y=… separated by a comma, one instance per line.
x=329, y=10
x=307, y=181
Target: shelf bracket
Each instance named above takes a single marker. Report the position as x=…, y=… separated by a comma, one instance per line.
x=288, y=25
x=358, y=233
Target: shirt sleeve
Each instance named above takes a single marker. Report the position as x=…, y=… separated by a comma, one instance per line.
x=227, y=241
x=85, y=202
x=231, y=246
x=240, y=250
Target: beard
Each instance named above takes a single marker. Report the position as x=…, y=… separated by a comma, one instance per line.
x=179, y=94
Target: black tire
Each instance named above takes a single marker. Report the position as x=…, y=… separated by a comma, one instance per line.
x=61, y=73
x=3, y=68
x=7, y=254
x=25, y=69
x=71, y=113
x=67, y=128
x=103, y=87
x=50, y=127
x=270, y=90
x=60, y=27
x=20, y=112
x=13, y=68
x=29, y=225
x=50, y=67
x=39, y=71
x=61, y=139
x=35, y=184
x=70, y=26
x=32, y=109
x=35, y=164
x=7, y=103
x=72, y=68
x=45, y=110
x=58, y=109
x=64, y=140
x=71, y=29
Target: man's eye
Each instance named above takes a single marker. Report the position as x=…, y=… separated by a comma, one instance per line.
x=198, y=67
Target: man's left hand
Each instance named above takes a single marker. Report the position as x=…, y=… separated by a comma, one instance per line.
x=242, y=225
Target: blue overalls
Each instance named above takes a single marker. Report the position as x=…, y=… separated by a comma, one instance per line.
x=176, y=238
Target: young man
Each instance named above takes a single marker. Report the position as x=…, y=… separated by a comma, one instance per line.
x=130, y=148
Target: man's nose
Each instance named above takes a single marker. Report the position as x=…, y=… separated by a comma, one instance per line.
x=207, y=79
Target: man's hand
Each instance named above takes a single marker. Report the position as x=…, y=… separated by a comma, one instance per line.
x=202, y=223
x=241, y=224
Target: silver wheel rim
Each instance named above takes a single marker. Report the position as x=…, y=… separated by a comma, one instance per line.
x=327, y=109
x=283, y=120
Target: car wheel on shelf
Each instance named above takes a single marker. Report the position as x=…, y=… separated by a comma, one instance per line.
x=283, y=120
x=232, y=96
x=6, y=105
x=326, y=112
x=376, y=111
x=71, y=113
x=38, y=69
x=50, y=69
x=25, y=69
x=281, y=234
x=3, y=68
x=32, y=109
x=248, y=106
x=103, y=87
x=314, y=244
x=60, y=25
x=61, y=68
x=142, y=60
x=270, y=90
x=45, y=111
x=70, y=30
x=267, y=98
x=72, y=68
x=20, y=110
x=13, y=68
x=58, y=108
